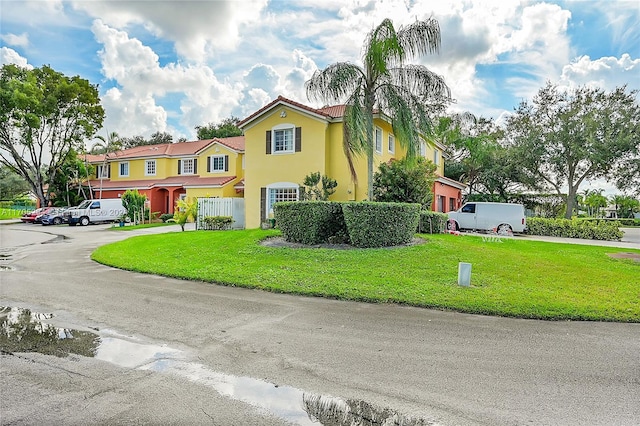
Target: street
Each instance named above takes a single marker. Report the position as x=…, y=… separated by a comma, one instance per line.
x=218, y=355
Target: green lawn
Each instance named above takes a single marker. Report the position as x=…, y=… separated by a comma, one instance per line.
x=518, y=278
x=11, y=213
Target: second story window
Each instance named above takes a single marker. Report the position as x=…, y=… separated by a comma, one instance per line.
x=392, y=144
x=423, y=149
x=283, y=140
x=436, y=157
x=124, y=169
x=218, y=163
x=103, y=171
x=378, y=140
x=150, y=168
x=188, y=166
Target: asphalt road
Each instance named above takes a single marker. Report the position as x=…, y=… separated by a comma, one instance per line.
x=218, y=354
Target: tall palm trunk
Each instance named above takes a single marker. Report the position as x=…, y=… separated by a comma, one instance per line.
x=370, y=150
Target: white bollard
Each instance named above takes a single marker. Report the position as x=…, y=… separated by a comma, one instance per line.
x=464, y=274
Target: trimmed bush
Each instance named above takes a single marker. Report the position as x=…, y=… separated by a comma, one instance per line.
x=567, y=228
x=372, y=224
x=432, y=222
x=629, y=222
x=217, y=223
x=166, y=216
x=311, y=222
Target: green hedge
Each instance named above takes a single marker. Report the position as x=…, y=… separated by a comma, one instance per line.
x=371, y=224
x=629, y=222
x=217, y=223
x=311, y=222
x=432, y=222
x=567, y=228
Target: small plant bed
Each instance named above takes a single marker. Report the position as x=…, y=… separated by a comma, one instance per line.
x=510, y=277
x=131, y=227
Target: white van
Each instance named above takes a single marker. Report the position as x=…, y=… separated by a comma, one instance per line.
x=92, y=211
x=503, y=218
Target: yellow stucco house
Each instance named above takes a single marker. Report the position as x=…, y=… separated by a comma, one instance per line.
x=167, y=172
x=283, y=142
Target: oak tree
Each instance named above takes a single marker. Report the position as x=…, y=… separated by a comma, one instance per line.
x=43, y=115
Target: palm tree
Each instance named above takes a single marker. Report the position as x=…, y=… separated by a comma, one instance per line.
x=384, y=83
x=111, y=144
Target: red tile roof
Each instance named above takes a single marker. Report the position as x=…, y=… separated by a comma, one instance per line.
x=235, y=142
x=334, y=111
x=170, y=181
x=282, y=100
x=329, y=112
x=178, y=149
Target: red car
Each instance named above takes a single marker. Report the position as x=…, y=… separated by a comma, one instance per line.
x=31, y=216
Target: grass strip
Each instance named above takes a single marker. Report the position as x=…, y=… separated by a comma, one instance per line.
x=515, y=278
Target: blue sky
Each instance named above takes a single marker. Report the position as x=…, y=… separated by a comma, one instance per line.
x=172, y=65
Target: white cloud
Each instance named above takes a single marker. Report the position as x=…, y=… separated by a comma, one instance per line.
x=21, y=40
x=132, y=108
x=130, y=115
x=605, y=73
x=10, y=56
x=35, y=13
x=198, y=28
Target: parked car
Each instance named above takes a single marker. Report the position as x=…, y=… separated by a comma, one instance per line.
x=503, y=218
x=30, y=217
x=47, y=210
x=54, y=217
x=93, y=211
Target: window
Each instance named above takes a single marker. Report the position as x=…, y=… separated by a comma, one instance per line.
x=392, y=144
x=102, y=171
x=150, y=168
x=452, y=204
x=276, y=195
x=378, y=140
x=423, y=149
x=283, y=140
x=124, y=169
x=217, y=163
x=440, y=203
x=436, y=157
x=187, y=167
x=469, y=208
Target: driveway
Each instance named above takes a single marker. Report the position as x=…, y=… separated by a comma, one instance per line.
x=184, y=352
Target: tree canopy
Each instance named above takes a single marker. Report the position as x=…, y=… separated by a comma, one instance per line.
x=407, y=93
x=43, y=115
x=562, y=138
x=11, y=184
x=408, y=180
x=227, y=128
x=156, y=138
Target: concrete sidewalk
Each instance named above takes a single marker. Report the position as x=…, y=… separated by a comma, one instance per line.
x=630, y=240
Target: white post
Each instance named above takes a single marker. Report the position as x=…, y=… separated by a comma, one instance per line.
x=464, y=274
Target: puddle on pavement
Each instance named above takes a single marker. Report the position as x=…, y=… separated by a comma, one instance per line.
x=57, y=239
x=22, y=330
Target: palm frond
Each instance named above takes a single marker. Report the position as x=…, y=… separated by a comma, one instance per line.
x=420, y=38
x=409, y=117
x=382, y=50
x=354, y=129
x=420, y=81
x=335, y=83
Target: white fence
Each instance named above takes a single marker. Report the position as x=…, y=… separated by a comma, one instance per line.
x=233, y=207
